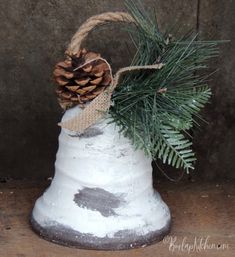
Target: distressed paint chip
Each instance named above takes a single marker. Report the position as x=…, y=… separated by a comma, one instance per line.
x=98, y=199
x=91, y=132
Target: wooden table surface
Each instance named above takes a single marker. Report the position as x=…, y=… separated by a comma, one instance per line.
x=203, y=222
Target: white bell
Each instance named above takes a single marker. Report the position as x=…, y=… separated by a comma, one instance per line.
x=101, y=196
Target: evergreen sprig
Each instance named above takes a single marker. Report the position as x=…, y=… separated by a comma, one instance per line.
x=155, y=109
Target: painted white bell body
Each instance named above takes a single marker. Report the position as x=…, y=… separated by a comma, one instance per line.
x=101, y=196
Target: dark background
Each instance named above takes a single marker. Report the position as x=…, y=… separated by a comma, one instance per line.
x=34, y=34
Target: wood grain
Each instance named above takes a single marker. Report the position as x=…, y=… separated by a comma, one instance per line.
x=199, y=210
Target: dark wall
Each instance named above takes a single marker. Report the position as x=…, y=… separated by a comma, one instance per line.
x=34, y=35
x=215, y=144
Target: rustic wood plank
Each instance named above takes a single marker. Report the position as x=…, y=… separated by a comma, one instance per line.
x=199, y=210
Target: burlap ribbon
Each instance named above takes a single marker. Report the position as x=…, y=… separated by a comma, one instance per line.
x=101, y=104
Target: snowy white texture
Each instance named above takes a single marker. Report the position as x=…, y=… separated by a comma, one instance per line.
x=109, y=162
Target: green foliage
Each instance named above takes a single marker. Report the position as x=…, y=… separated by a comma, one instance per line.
x=156, y=108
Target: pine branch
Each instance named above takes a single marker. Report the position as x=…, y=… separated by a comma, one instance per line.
x=174, y=149
x=154, y=109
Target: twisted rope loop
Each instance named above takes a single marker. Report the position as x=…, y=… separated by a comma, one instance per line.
x=93, y=22
x=101, y=104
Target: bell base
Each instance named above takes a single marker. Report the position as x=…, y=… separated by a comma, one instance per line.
x=122, y=240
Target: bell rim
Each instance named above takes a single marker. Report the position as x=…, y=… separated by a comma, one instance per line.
x=66, y=236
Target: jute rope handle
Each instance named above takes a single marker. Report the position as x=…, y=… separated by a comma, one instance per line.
x=93, y=22
x=101, y=104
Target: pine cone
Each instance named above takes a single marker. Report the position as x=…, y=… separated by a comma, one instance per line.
x=80, y=79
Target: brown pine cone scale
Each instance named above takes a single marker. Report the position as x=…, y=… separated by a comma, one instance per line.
x=81, y=78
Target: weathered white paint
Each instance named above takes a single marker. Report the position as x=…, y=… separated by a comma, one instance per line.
x=107, y=161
